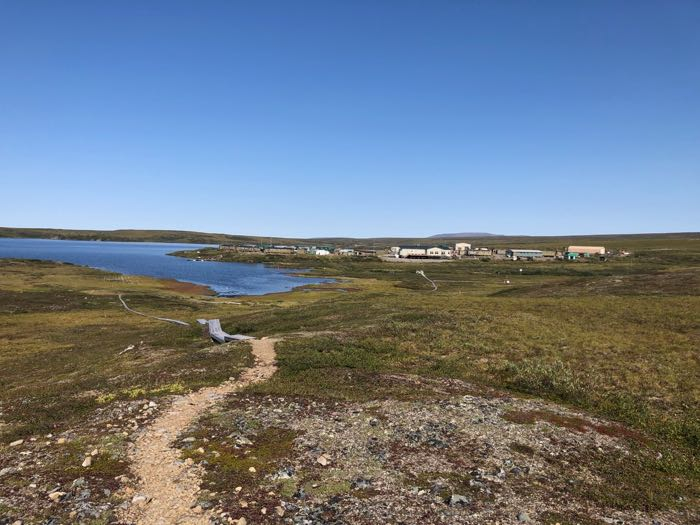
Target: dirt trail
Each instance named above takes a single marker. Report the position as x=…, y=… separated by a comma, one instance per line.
x=172, y=485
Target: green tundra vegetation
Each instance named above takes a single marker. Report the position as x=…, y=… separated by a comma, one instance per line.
x=62, y=331
x=617, y=339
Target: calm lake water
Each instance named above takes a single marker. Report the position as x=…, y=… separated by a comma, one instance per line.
x=151, y=259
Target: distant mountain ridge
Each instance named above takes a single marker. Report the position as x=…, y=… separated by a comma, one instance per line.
x=462, y=234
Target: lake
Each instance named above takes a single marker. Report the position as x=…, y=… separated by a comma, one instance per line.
x=152, y=259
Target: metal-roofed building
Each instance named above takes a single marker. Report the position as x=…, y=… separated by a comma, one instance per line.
x=518, y=254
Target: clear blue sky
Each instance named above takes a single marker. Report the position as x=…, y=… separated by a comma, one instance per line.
x=359, y=118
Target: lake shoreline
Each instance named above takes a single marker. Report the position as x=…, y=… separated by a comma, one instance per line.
x=153, y=260
x=305, y=273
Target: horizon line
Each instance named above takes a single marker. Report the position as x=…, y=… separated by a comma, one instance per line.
x=394, y=236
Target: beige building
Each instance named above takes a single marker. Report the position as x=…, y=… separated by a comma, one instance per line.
x=439, y=251
x=461, y=248
x=422, y=252
x=587, y=250
x=280, y=250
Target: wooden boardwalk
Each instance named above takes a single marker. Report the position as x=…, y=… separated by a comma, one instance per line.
x=165, y=319
x=218, y=335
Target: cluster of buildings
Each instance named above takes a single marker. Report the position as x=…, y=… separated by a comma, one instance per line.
x=461, y=250
x=284, y=249
x=465, y=250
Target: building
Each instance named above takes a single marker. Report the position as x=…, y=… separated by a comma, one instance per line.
x=280, y=249
x=346, y=252
x=241, y=248
x=410, y=251
x=586, y=251
x=480, y=252
x=461, y=248
x=517, y=255
x=319, y=250
x=440, y=251
x=365, y=252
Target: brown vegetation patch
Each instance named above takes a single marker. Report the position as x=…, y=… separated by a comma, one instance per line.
x=313, y=288
x=568, y=518
x=658, y=283
x=576, y=423
x=522, y=449
x=47, y=301
x=187, y=288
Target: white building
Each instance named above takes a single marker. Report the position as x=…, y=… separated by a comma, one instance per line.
x=412, y=251
x=439, y=251
x=422, y=252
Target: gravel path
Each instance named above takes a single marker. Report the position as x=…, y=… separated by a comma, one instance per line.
x=168, y=489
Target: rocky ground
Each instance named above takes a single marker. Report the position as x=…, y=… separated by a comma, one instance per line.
x=78, y=476
x=457, y=458
x=462, y=459
x=341, y=433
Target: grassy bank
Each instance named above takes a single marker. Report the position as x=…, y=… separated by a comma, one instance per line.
x=63, y=337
